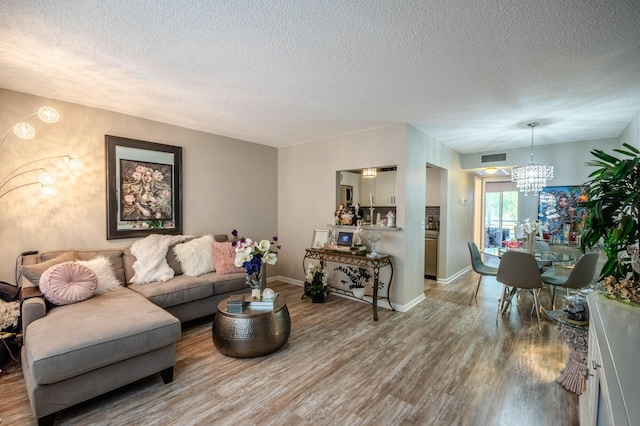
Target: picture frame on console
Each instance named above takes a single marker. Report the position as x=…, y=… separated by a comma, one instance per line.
x=320, y=238
x=144, y=188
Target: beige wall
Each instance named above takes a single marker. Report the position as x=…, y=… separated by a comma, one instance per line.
x=307, y=174
x=307, y=192
x=456, y=220
x=226, y=183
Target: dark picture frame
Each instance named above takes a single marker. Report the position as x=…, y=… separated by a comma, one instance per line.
x=558, y=209
x=144, y=188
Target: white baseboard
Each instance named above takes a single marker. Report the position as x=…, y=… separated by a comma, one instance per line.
x=455, y=276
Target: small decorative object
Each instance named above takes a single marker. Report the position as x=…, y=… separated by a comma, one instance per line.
x=371, y=209
x=358, y=240
x=254, y=257
x=531, y=229
x=635, y=258
x=373, y=237
x=512, y=244
x=316, y=283
x=358, y=276
x=268, y=294
x=390, y=222
x=320, y=238
x=256, y=294
x=623, y=290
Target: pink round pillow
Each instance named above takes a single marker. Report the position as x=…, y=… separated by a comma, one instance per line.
x=67, y=283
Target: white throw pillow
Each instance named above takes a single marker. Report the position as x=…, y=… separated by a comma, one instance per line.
x=101, y=266
x=196, y=256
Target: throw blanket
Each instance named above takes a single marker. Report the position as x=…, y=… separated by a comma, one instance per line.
x=151, y=258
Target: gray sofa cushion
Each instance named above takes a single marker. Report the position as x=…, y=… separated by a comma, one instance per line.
x=34, y=272
x=226, y=283
x=100, y=331
x=178, y=290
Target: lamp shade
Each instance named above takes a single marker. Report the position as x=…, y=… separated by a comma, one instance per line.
x=24, y=130
x=48, y=114
x=369, y=173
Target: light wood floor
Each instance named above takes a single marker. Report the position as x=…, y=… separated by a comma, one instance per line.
x=442, y=363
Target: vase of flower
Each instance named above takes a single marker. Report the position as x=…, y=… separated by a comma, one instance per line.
x=531, y=243
x=254, y=257
x=257, y=281
x=316, y=283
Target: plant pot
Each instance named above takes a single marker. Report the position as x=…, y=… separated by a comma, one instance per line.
x=318, y=298
x=358, y=292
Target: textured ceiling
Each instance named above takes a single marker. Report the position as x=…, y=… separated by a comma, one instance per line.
x=469, y=73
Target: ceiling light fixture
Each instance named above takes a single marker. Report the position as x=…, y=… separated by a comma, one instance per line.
x=491, y=170
x=531, y=177
x=369, y=173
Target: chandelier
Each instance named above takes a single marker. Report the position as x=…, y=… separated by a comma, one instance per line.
x=531, y=177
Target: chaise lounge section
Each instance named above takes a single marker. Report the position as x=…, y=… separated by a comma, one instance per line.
x=74, y=352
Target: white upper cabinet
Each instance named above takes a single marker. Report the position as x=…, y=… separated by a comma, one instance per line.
x=382, y=188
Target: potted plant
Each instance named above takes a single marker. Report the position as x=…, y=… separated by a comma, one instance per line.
x=613, y=210
x=613, y=215
x=316, y=283
x=357, y=276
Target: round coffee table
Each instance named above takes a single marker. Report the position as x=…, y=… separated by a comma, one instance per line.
x=252, y=333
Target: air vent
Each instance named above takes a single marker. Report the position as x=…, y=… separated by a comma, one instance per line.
x=494, y=157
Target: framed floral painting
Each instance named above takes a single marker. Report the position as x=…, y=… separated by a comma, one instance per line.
x=143, y=188
x=560, y=214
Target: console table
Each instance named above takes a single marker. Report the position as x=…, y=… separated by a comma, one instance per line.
x=358, y=260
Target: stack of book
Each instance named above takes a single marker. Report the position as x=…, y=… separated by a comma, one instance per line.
x=263, y=304
x=235, y=303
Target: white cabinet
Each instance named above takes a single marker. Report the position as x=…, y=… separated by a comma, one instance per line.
x=382, y=188
x=367, y=186
x=386, y=189
x=613, y=377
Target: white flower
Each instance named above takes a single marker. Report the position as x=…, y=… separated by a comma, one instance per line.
x=243, y=254
x=270, y=258
x=532, y=227
x=264, y=246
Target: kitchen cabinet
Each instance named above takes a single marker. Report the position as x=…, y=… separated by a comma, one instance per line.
x=367, y=186
x=382, y=188
x=613, y=378
x=431, y=255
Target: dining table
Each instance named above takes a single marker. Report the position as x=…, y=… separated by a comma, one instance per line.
x=545, y=258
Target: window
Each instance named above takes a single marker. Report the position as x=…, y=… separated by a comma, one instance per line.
x=500, y=212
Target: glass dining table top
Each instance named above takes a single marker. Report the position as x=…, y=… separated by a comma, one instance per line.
x=541, y=256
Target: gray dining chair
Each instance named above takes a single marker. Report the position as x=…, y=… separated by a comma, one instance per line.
x=581, y=275
x=480, y=268
x=519, y=272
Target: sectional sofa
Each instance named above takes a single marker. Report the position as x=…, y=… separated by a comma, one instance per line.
x=77, y=351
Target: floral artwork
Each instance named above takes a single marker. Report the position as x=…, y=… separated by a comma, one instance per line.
x=560, y=212
x=146, y=192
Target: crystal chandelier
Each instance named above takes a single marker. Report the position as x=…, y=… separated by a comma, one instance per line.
x=531, y=177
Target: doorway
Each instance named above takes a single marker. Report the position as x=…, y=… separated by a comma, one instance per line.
x=500, y=213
